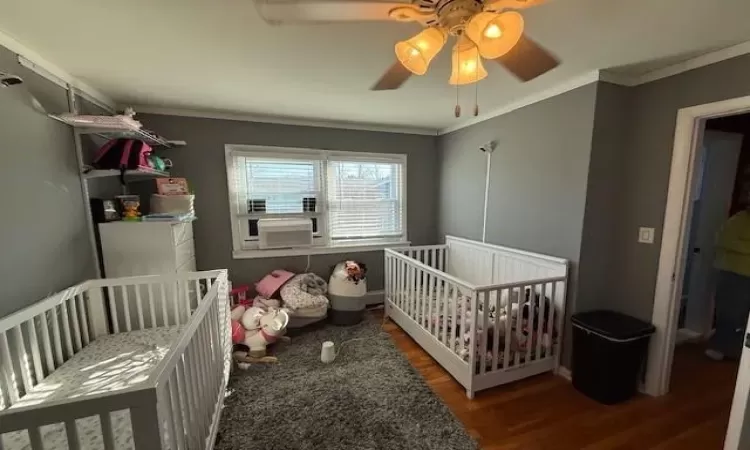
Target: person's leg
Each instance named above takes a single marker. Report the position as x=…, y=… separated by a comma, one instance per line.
x=732, y=304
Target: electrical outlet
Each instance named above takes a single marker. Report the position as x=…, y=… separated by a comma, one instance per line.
x=646, y=235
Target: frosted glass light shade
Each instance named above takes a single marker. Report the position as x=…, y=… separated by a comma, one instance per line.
x=467, y=64
x=416, y=53
x=495, y=34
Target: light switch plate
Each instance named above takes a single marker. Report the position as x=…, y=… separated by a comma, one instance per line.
x=646, y=235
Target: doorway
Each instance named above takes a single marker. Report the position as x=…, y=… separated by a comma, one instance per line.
x=715, y=196
x=686, y=160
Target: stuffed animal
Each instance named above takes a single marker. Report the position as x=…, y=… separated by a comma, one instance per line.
x=257, y=328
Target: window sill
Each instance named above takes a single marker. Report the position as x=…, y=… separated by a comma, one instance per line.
x=328, y=250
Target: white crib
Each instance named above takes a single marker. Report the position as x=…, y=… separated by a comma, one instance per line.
x=138, y=363
x=464, y=302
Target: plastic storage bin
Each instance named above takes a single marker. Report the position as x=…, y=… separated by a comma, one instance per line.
x=347, y=300
x=609, y=349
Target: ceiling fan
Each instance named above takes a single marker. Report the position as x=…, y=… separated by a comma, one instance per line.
x=484, y=29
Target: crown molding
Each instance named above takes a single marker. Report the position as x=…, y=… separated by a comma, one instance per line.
x=697, y=62
x=35, y=62
x=561, y=88
x=222, y=115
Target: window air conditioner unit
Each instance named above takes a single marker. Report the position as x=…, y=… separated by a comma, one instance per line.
x=285, y=233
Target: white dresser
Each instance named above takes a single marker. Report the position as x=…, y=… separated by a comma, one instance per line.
x=147, y=248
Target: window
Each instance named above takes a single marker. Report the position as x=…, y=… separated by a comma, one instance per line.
x=352, y=199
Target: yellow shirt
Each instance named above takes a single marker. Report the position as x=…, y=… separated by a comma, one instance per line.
x=733, y=249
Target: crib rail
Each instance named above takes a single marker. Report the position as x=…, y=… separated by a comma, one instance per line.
x=177, y=405
x=525, y=326
x=37, y=340
x=190, y=380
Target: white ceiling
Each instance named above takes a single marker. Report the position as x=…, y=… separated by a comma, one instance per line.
x=218, y=55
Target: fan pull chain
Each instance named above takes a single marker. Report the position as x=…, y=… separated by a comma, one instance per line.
x=457, y=110
x=476, y=89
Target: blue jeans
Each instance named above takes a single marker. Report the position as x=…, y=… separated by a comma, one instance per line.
x=732, y=309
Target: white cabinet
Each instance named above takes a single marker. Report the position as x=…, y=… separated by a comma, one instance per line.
x=146, y=248
x=151, y=248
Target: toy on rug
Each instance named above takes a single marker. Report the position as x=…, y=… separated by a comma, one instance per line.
x=256, y=328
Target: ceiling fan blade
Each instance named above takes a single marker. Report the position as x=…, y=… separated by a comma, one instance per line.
x=501, y=5
x=393, y=78
x=278, y=12
x=528, y=60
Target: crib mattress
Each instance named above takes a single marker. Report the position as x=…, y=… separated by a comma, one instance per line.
x=108, y=364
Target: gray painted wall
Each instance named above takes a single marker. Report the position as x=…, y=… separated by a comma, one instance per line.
x=647, y=168
x=598, y=264
x=43, y=233
x=538, y=178
x=202, y=163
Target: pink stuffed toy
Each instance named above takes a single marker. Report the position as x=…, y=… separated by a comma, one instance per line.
x=271, y=283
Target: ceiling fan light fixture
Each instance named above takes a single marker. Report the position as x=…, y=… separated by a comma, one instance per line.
x=416, y=53
x=467, y=65
x=495, y=34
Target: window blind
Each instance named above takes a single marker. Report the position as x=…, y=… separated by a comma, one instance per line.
x=279, y=186
x=364, y=199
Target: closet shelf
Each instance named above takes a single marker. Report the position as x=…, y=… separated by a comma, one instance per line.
x=126, y=132
x=140, y=173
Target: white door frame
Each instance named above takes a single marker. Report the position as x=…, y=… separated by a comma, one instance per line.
x=688, y=134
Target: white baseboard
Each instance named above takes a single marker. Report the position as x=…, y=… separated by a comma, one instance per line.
x=564, y=372
x=375, y=297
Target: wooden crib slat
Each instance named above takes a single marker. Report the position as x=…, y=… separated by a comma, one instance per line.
x=9, y=377
x=530, y=323
x=187, y=384
x=484, y=300
x=519, y=323
x=186, y=299
x=409, y=288
x=177, y=423
x=35, y=437
x=176, y=302
x=431, y=280
x=36, y=354
x=432, y=258
x=508, y=327
x=202, y=366
x=198, y=295
x=126, y=307
x=496, y=330
x=84, y=319
x=56, y=340
x=418, y=316
x=165, y=400
x=473, y=325
x=139, y=305
x=23, y=358
x=446, y=296
x=558, y=321
x=540, y=325
x=454, y=318
x=151, y=305
x=76, y=324
x=105, y=422
x=164, y=311
x=196, y=385
x=113, y=310
x=71, y=430
x=65, y=319
x=46, y=342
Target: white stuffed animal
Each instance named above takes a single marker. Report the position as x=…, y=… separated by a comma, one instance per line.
x=257, y=328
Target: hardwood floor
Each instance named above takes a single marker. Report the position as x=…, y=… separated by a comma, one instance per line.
x=546, y=412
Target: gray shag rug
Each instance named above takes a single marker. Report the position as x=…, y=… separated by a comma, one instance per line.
x=370, y=397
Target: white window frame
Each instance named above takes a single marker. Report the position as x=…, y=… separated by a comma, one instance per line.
x=322, y=243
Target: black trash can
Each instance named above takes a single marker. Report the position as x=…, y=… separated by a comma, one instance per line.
x=609, y=350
